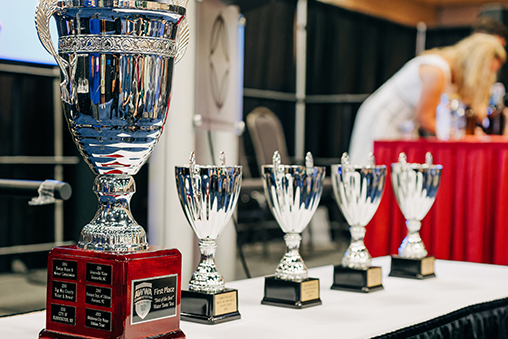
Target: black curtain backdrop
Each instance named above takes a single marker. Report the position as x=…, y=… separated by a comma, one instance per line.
x=26, y=128
x=347, y=53
x=270, y=65
x=445, y=36
x=269, y=46
x=25, y=103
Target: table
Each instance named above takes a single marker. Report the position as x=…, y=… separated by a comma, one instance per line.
x=469, y=218
x=345, y=315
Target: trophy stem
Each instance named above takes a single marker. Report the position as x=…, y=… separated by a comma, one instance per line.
x=113, y=228
x=357, y=256
x=207, y=278
x=412, y=246
x=291, y=266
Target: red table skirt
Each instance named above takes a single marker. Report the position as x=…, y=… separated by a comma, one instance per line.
x=469, y=218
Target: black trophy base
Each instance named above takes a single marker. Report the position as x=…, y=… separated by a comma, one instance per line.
x=210, y=309
x=291, y=294
x=412, y=268
x=356, y=280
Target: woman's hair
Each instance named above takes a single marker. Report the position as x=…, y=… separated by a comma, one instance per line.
x=471, y=60
x=489, y=25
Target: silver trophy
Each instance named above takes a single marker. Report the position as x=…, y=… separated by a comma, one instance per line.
x=116, y=59
x=208, y=196
x=415, y=187
x=358, y=191
x=293, y=193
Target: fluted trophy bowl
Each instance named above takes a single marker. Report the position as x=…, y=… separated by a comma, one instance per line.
x=116, y=59
x=208, y=196
x=415, y=187
x=293, y=193
x=358, y=191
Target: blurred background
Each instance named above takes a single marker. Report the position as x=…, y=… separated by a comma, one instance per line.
x=309, y=64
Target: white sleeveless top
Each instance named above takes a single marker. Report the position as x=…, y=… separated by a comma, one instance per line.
x=389, y=113
x=407, y=81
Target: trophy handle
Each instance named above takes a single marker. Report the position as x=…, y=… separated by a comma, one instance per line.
x=278, y=173
x=183, y=36
x=195, y=181
x=44, y=12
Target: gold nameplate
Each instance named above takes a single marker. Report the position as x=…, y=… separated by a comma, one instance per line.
x=310, y=290
x=225, y=303
x=374, y=276
x=428, y=265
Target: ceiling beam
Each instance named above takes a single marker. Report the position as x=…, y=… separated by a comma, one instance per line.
x=402, y=11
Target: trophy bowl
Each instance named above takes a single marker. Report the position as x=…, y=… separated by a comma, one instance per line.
x=358, y=191
x=415, y=187
x=116, y=60
x=208, y=196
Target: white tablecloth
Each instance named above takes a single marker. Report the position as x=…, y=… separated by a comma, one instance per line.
x=403, y=302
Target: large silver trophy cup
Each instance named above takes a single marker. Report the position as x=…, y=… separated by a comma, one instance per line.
x=293, y=193
x=415, y=187
x=208, y=196
x=358, y=191
x=116, y=59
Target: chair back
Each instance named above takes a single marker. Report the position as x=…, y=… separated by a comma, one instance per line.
x=267, y=136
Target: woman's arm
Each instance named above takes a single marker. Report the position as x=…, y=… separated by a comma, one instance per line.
x=433, y=86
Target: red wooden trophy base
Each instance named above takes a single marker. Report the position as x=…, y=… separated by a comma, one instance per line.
x=113, y=295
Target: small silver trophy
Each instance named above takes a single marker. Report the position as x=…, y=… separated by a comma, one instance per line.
x=358, y=191
x=293, y=193
x=208, y=195
x=415, y=187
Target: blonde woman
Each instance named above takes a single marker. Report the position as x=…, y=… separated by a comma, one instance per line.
x=407, y=102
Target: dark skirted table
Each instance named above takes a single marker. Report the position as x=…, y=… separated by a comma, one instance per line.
x=465, y=299
x=469, y=219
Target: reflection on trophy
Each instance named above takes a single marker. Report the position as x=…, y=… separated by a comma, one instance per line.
x=208, y=195
x=358, y=191
x=293, y=194
x=116, y=60
x=415, y=187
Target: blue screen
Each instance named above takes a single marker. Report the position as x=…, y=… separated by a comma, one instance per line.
x=18, y=37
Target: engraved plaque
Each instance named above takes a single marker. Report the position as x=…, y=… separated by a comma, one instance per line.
x=99, y=320
x=225, y=303
x=101, y=274
x=64, y=291
x=65, y=269
x=153, y=298
x=374, y=276
x=100, y=296
x=428, y=265
x=63, y=314
x=310, y=290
